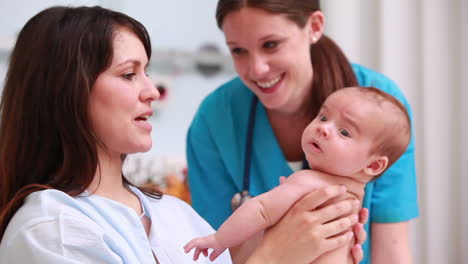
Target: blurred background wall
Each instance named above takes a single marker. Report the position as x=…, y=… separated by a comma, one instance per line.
x=421, y=44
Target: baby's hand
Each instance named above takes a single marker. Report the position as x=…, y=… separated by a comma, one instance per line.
x=202, y=244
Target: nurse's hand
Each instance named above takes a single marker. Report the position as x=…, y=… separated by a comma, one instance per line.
x=360, y=235
x=358, y=229
x=306, y=232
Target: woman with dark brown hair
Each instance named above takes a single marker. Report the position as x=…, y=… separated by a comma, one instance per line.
x=247, y=133
x=76, y=100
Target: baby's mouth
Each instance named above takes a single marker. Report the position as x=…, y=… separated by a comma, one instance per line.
x=316, y=145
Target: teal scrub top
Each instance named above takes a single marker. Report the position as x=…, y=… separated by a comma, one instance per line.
x=216, y=144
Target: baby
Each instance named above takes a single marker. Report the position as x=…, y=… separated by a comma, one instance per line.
x=358, y=133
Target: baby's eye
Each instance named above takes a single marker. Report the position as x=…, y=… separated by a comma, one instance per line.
x=323, y=118
x=270, y=44
x=129, y=76
x=344, y=132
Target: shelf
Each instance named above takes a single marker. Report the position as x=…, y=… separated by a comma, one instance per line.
x=168, y=61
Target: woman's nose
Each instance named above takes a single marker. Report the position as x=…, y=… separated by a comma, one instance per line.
x=150, y=91
x=258, y=67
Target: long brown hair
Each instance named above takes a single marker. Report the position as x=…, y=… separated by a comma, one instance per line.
x=332, y=69
x=45, y=134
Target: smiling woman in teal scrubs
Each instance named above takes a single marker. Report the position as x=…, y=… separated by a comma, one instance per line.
x=290, y=66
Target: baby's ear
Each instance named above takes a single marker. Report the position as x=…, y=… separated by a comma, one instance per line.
x=376, y=166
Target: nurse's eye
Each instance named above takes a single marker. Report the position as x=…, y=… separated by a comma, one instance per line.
x=270, y=44
x=323, y=118
x=237, y=51
x=129, y=76
x=344, y=132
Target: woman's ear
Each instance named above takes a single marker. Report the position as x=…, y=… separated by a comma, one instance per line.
x=315, y=26
x=376, y=166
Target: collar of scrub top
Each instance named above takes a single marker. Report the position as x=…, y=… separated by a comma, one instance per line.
x=243, y=196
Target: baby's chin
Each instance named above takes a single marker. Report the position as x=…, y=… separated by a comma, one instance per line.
x=310, y=161
x=318, y=166
x=311, y=164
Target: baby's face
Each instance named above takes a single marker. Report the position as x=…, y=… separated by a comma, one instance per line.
x=340, y=138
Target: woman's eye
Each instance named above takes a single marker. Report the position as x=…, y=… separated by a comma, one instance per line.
x=323, y=118
x=237, y=51
x=270, y=44
x=344, y=132
x=129, y=76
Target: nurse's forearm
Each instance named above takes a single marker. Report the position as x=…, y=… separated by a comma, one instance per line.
x=390, y=243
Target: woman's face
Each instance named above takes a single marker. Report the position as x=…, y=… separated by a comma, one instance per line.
x=120, y=99
x=272, y=56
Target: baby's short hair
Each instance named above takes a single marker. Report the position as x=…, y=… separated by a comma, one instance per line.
x=394, y=137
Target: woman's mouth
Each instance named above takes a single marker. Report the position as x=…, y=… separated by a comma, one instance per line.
x=142, y=122
x=269, y=86
x=142, y=118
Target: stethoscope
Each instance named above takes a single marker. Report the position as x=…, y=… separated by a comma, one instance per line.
x=243, y=196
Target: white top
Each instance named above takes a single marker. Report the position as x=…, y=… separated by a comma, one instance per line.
x=53, y=227
x=295, y=165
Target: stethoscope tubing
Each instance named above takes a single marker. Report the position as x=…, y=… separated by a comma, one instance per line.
x=244, y=195
x=241, y=197
x=248, y=147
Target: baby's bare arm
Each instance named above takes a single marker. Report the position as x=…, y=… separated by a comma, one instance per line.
x=266, y=209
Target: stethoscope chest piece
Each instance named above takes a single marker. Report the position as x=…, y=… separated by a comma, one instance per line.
x=239, y=199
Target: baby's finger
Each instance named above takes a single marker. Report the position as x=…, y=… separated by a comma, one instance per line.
x=197, y=254
x=188, y=247
x=215, y=254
